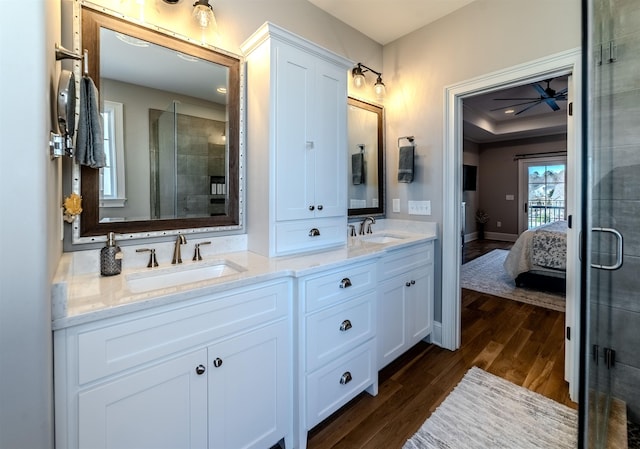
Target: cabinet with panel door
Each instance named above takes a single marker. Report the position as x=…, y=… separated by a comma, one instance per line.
x=337, y=349
x=188, y=376
x=405, y=300
x=296, y=138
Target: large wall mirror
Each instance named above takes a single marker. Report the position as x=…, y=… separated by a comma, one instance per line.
x=366, y=157
x=171, y=116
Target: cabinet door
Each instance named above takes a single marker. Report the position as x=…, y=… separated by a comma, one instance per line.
x=249, y=398
x=419, y=298
x=164, y=406
x=294, y=142
x=391, y=331
x=330, y=140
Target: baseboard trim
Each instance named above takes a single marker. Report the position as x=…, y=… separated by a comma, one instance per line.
x=501, y=236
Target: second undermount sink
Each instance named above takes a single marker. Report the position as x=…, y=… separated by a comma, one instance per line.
x=181, y=274
x=382, y=238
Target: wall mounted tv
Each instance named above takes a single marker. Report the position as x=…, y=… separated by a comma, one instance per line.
x=469, y=175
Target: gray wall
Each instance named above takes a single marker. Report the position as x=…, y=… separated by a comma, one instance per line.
x=30, y=221
x=615, y=306
x=498, y=177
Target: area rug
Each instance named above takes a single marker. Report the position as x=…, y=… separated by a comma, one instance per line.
x=486, y=274
x=485, y=411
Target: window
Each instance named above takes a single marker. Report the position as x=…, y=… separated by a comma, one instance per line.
x=112, y=178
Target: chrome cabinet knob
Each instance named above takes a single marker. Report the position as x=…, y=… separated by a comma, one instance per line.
x=413, y=282
x=408, y=284
x=217, y=362
x=200, y=369
x=345, y=326
x=320, y=207
x=346, y=282
x=312, y=207
x=346, y=378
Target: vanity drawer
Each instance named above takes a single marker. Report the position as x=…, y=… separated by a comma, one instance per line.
x=331, y=387
x=332, y=332
x=296, y=236
x=404, y=259
x=121, y=343
x=338, y=285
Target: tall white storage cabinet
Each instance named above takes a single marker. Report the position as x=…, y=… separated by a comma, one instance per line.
x=296, y=144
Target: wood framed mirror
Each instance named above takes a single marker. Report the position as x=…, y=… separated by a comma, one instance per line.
x=171, y=113
x=366, y=158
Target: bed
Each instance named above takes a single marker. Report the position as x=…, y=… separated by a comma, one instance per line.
x=539, y=257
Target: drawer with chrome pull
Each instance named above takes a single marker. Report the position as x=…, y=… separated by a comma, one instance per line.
x=332, y=332
x=332, y=386
x=338, y=285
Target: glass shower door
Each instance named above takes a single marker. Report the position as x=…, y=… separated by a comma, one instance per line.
x=612, y=367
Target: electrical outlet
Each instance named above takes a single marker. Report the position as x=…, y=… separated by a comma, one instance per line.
x=499, y=224
x=396, y=205
x=419, y=207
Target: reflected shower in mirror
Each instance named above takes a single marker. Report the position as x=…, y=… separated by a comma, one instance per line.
x=366, y=150
x=171, y=121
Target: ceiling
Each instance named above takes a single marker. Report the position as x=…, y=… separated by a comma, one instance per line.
x=387, y=20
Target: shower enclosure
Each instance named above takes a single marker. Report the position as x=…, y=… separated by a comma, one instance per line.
x=611, y=365
x=188, y=163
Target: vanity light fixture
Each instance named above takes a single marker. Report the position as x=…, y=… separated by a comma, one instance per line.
x=359, y=80
x=203, y=14
x=221, y=90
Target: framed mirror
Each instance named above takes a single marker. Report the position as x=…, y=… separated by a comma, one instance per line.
x=366, y=158
x=171, y=118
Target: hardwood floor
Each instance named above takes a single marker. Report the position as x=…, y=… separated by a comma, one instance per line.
x=519, y=342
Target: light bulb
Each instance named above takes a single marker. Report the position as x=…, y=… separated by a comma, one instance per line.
x=379, y=88
x=203, y=14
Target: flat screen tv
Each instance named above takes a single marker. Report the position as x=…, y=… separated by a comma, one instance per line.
x=469, y=175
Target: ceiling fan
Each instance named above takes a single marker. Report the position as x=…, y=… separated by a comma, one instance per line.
x=547, y=95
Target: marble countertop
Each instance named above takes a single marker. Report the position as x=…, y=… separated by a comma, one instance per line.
x=80, y=294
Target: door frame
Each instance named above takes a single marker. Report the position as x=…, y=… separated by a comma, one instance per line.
x=563, y=63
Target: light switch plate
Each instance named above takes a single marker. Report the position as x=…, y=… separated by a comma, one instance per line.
x=419, y=207
x=509, y=197
x=396, y=205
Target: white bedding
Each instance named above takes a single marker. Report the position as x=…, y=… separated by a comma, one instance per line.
x=541, y=250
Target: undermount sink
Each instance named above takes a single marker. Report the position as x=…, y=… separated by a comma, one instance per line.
x=181, y=274
x=382, y=238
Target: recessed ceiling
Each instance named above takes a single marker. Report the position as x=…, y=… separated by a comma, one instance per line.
x=487, y=117
x=386, y=20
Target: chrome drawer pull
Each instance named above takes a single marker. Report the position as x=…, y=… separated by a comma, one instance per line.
x=345, y=326
x=346, y=282
x=314, y=232
x=346, y=378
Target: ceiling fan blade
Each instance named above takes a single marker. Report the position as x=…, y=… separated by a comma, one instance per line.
x=543, y=93
x=562, y=92
x=516, y=99
x=528, y=107
x=537, y=100
x=552, y=104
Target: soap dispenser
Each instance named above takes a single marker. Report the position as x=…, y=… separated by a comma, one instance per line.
x=110, y=257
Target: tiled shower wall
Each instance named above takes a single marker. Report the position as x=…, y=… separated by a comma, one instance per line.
x=615, y=136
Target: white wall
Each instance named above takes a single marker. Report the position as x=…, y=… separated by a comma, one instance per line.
x=29, y=221
x=484, y=36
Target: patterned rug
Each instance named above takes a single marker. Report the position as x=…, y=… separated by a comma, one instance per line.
x=485, y=411
x=486, y=274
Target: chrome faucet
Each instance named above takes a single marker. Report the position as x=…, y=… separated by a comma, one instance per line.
x=180, y=240
x=368, y=228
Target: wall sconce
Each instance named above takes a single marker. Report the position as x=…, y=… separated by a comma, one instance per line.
x=203, y=14
x=359, y=80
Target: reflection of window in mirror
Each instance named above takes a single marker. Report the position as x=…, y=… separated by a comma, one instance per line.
x=112, y=178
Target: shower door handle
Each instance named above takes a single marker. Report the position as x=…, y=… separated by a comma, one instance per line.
x=619, y=248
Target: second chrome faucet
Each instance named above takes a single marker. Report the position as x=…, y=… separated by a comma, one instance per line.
x=177, y=257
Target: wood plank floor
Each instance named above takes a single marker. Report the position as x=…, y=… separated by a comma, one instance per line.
x=518, y=342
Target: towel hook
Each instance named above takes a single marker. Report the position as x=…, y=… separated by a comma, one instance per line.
x=361, y=146
x=63, y=53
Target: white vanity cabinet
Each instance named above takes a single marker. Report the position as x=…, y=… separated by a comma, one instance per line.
x=405, y=300
x=337, y=346
x=296, y=144
x=214, y=372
